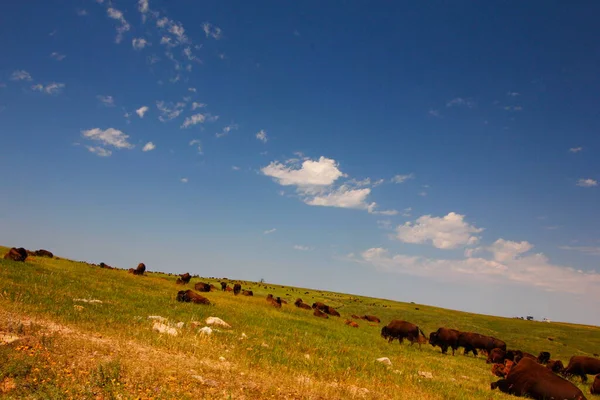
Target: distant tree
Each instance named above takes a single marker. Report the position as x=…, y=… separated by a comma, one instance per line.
x=262, y=280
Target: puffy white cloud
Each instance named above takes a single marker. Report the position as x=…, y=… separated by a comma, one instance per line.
x=141, y=111
x=20, y=75
x=268, y=232
x=575, y=149
x=108, y=137
x=212, y=31
x=139, y=43
x=196, y=142
x=262, y=136
x=301, y=248
x=169, y=111
x=506, y=250
x=57, y=56
x=343, y=197
x=149, y=146
x=123, y=25
x=403, y=178
x=446, y=232
x=51, y=88
x=107, y=101
x=322, y=172
x=460, y=102
x=193, y=120
x=587, y=182
x=99, y=151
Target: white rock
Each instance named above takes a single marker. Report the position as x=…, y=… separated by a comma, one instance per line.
x=425, y=374
x=244, y=336
x=222, y=358
x=205, y=331
x=162, y=328
x=179, y=325
x=89, y=301
x=157, y=317
x=264, y=345
x=384, y=360
x=307, y=356
x=217, y=321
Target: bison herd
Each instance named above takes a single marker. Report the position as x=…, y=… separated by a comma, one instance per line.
x=20, y=254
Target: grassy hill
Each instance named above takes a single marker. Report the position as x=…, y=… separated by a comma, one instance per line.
x=67, y=348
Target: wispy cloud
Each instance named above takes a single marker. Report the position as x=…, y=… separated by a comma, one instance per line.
x=142, y=111
x=139, y=43
x=81, y=12
x=57, y=56
x=20, y=75
x=513, y=108
x=403, y=178
x=301, y=248
x=460, y=102
x=575, y=149
x=192, y=89
x=262, y=136
x=52, y=88
x=197, y=144
x=196, y=105
x=193, y=120
x=212, y=31
x=268, y=232
x=107, y=101
x=235, y=168
x=149, y=146
x=99, y=151
x=587, y=182
x=108, y=137
x=226, y=130
x=169, y=111
x=123, y=25
x=184, y=180
x=513, y=94
x=434, y=113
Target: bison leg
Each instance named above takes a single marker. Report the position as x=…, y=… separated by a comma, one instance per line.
x=474, y=352
x=453, y=348
x=583, y=377
x=444, y=349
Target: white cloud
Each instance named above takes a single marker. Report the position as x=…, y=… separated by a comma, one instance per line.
x=149, y=146
x=169, y=111
x=262, y=136
x=513, y=108
x=343, y=197
x=513, y=94
x=575, y=149
x=235, y=168
x=506, y=250
x=193, y=120
x=184, y=180
x=587, y=182
x=301, y=248
x=123, y=27
x=81, y=12
x=197, y=105
x=108, y=137
x=384, y=212
x=20, y=75
x=99, y=151
x=226, y=130
x=402, y=178
x=406, y=212
x=591, y=250
x=141, y=111
x=323, y=172
x=177, y=30
x=51, y=88
x=460, y=102
x=143, y=6
x=192, y=89
x=56, y=56
x=446, y=232
x=196, y=142
x=268, y=232
x=434, y=113
x=211, y=31
x=139, y=43
x=422, y=194
x=384, y=224
x=107, y=101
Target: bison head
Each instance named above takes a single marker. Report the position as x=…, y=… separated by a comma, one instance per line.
x=433, y=336
x=384, y=332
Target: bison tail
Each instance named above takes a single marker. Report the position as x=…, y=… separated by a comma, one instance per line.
x=421, y=331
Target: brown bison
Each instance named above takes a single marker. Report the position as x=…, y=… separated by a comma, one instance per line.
x=351, y=323
x=141, y=268
x=543, y=357
x=223, y=286
x=229, y=289
x=202, y=287
x=370, y=318
x=319, y=305
x=300, y=304
x=582, y=366
x=355, y=316
x=185, y=278
x=331, y=311
x=190, y=297
x=320, y=314
x=474, y=341
x=502, y=370
x=445, y=338
x=403, y=330
x=528, y=378
x=43, y=253
x=519, y=355
x=16, y=254
x=555, y=366
x=275, y=302
x=237, y=288
x=595, y=389
x=247, y=293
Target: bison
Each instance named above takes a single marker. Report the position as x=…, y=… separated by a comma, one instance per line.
x=595, y=389
x=403, y=330
x=16, y=254
x=319, y=313
x=528, y=378
x=582, y=366
x=247, y=293
x=189, y=296
x=555, y=366
x=370, y=318
x=300, y=304
x=355, y=316
x=502, y=370
x=331, y=311
x=223, y=286
x=141, y=268
x=445, y=338
x=319, y=305
x=202, y=287
x=543, y=357
x=43, y=253
x=474, y=341
x=185, y=278
x=351, y=323
x=274, y=302
x=237, y=288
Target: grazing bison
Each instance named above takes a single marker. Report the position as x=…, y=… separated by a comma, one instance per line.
x=141, y=268
x=351, y=323
x=528, y=378
x=371, y=318
x=223, y=286
x=555, y=366
x=445, y=338
x=247, y=293
x=189, y=296
x=474, y=341
x=319, y=313
x=582, y=366
x=16, y=254
x=519, y=355
x=403, y=330
x=595, y=389
x=202, y=287
x=237, y=288
x=43, y=253
x=300, y=304
x=543, y=357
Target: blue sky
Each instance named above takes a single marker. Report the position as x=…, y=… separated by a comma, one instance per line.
x=445, y=154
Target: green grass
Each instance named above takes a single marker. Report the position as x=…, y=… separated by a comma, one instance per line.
x=109, y=349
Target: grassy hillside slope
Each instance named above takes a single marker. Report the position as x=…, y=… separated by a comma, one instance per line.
x=73, y=349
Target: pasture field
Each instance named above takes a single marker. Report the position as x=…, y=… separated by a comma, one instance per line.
x=67, y=348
